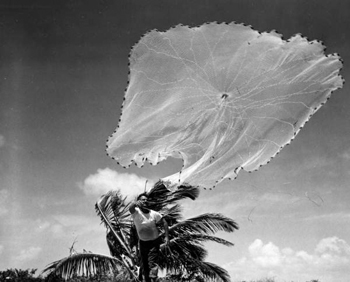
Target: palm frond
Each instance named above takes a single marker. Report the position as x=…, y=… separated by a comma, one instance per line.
x=115, y=248
x=190, y=265
x=104, y=209
x=205, y=224
x=113, y=207
x=157, y=196
x=160, y=196
x=83, y=264
x=121, y=241
x=200, y=271
x=185, y=191
x=180, y=253
x=107, y=207
x=200, y=238
x=211, y=272
x=159, y=191
x=172, y=214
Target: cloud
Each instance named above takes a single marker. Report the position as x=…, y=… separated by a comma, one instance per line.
x=72, y=220
x=58, y=226
x=2, y=140
x=55, y=228
x=107, y=179
x=29, y=254
x=328, y=262
x=346, y=155
x=1, y=249
x=77, y=224
x=334, y=217
x=333, y=245
x=4, y=195
x=265, y=255
x=41, y=225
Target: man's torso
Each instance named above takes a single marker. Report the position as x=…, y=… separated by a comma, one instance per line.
x=146, y=224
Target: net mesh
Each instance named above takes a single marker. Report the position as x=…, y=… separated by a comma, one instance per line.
x=223, y=97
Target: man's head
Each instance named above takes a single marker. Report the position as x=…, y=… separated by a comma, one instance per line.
x=142, y=196
x=142, y=199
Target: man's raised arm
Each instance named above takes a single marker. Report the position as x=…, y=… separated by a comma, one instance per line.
x=132, y=206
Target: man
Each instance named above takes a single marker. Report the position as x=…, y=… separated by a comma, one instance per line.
x=145, y=221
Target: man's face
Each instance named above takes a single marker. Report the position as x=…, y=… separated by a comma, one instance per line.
x=143, y=201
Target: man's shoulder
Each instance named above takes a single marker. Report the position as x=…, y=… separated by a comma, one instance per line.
x=156, y=214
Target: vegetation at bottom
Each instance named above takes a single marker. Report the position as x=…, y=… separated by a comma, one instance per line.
x=28, y=275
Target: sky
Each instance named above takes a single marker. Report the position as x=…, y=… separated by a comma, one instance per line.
x=63, y=73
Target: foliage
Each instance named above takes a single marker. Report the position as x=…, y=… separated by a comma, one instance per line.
x=84, y=264
x=266, y=280
x=28, y=275
x=269, y=279
x=17, y=275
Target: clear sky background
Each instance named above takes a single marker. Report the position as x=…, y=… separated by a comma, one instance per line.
x=63, y=72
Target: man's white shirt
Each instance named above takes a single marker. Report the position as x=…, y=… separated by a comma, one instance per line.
x=146, y=224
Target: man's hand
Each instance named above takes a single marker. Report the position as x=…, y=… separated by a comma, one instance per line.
x=135, y=204
x=139, y=203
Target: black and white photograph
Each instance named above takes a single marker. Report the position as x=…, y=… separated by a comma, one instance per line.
x=175, y=140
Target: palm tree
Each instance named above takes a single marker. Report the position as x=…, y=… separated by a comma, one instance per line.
x=19, y=275
x=182, y=258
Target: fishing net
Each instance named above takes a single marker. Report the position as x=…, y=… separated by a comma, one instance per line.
x=223, y=97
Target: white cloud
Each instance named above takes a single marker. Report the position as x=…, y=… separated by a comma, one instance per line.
x=333, y=246
x=107, y=179
x=28, y=254
x=328, y=262
x=265, y=255
x=4, y=195
x=1, y=249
